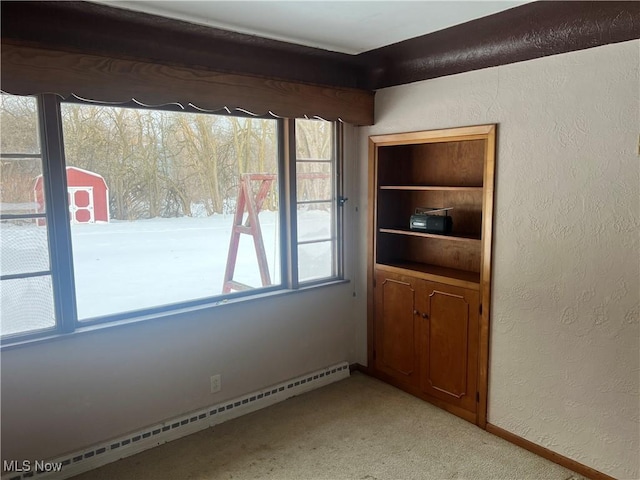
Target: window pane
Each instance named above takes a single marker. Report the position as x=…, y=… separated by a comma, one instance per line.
x=152, y=197
x=21, y=186
x=26, y=304
x=314, y=181
x=24, y=247
x=314, y=139
x=315, y=221
x=316, y=197
x=19, y=120
x=315, y=261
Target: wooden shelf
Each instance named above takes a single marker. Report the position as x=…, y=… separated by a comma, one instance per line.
x=435, y=188
x=449, y=276
x=413, y=233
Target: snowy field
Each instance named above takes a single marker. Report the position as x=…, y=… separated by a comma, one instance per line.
x=122, y=266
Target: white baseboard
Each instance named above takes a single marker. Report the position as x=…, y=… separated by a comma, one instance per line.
x=183, y=425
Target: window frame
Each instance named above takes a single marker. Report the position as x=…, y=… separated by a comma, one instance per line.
x=59, y=228
x=337, y=180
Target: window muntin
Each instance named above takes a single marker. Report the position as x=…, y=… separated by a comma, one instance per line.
x=52, y=292
x=26, y=292
x=316, y=200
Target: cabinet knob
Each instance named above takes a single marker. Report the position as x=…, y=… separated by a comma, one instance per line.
x=424, y=315
x=416, y=312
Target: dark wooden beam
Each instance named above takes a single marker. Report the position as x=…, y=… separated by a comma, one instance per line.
x=526, y=32
x=27, y=70
x=85, y=27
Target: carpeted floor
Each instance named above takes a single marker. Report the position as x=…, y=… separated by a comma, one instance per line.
x=358, y=428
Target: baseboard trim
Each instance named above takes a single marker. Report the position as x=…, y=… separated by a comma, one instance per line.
x=154, y=435
x=548, y=454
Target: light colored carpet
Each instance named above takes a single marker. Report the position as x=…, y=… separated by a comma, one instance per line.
x=358, y=428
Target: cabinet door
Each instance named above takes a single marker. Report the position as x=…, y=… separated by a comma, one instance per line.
x=449, y=354
x=396, y=322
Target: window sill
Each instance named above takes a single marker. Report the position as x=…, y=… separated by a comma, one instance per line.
x=170, y=314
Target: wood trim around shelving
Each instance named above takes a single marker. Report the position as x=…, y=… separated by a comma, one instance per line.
x=548, y=454
x=474, y=132
x=371, y=250
x=485, y=275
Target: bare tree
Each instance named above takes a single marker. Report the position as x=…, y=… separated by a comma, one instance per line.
x=314, y=142
x=155, y=163
x=19, y=134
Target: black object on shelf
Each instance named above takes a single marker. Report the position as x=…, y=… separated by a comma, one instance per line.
x=426, y=220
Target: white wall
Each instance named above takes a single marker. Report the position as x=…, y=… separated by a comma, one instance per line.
x=564, y=368
x=73, y=392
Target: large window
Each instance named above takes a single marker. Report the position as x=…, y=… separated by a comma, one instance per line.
x=157, y=210
x=153, y=197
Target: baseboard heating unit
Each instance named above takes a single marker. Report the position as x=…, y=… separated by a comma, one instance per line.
x=84, y=460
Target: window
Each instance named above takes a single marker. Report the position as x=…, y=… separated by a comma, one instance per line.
x=316, y=200
x=152, y=202
x=162, y=209
x=26, y=292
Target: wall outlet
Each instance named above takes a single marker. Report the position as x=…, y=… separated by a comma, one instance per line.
x=216, y=383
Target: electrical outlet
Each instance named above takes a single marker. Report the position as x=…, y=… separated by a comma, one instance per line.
x=216, y=383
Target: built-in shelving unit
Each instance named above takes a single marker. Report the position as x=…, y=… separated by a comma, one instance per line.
x=435, y=172
x=429, y=292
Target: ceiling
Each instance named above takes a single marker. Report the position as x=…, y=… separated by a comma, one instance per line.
x=342, y=26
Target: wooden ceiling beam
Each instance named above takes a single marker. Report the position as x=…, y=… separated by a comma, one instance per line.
x=532, y=30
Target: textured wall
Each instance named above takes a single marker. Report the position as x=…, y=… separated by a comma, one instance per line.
x=564, y=369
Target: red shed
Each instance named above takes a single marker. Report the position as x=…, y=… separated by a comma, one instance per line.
x=88, y=196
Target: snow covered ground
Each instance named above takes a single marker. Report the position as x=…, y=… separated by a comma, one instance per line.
x=122, y=266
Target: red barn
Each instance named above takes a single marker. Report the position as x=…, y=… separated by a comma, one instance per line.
x=88, y=196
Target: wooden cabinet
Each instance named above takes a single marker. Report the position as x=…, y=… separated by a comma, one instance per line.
x=397, y=332
x=429, y=292
x=449, y=360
